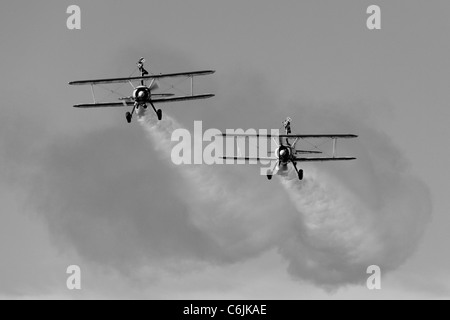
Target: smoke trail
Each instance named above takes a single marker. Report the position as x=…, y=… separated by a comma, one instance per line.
x=329, y=233
x=339, y=235
x=334, y=242
x=239, y=219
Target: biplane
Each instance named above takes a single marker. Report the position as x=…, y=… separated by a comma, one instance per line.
x=287, y=152
x=143, y=93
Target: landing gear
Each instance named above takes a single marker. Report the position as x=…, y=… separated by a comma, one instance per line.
x=128, y=116
x=159, y=114
x=299, y=172
x=272, y=170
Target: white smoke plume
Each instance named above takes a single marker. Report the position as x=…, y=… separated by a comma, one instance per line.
x=233, y=214
x=119, y=201
x=339, y=235
x=328, y=233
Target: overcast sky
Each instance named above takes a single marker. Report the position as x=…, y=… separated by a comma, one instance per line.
x=83, y=187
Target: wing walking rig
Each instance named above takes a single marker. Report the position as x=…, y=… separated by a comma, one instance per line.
x=287, y=151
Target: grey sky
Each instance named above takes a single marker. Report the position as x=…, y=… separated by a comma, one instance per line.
x=273, y=58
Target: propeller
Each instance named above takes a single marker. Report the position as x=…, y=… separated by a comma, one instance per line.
x=154, y=85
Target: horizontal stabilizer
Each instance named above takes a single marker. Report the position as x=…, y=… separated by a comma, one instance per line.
x=307, y=151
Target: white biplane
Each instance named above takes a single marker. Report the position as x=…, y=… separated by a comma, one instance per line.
x=287, y=151
x=143, y=93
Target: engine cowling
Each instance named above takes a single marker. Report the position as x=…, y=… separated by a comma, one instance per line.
x=284, y=154
x=141, y=94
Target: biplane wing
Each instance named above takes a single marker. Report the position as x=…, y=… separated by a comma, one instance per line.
x=131, y=79
x=183, y=98
x=251, y=158
x=318, y=159
x=293, y=136
x=105, y=105
x=126, y=103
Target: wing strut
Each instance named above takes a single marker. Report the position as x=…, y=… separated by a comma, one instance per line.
x=334, y=147
x=192, y=86
x=93, y=94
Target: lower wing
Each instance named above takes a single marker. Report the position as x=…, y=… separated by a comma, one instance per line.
x=126, y=103
x=323, y=159
x=250, y=158
x=183, y=98
x=292, y=136
x=318, y=159
x=105, y=105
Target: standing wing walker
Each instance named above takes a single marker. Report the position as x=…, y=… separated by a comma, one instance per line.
x=287, y=152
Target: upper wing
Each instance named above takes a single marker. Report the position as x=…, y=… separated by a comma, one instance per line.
x=331, y=136
x=323, y=159
x=183, y=98
x=105, y=104
x=250, y=158
x=157, y=76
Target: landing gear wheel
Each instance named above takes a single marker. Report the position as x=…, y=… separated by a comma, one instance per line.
x=300, y=174
x=128, y=116
x=159, y=114
x=269, y=176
